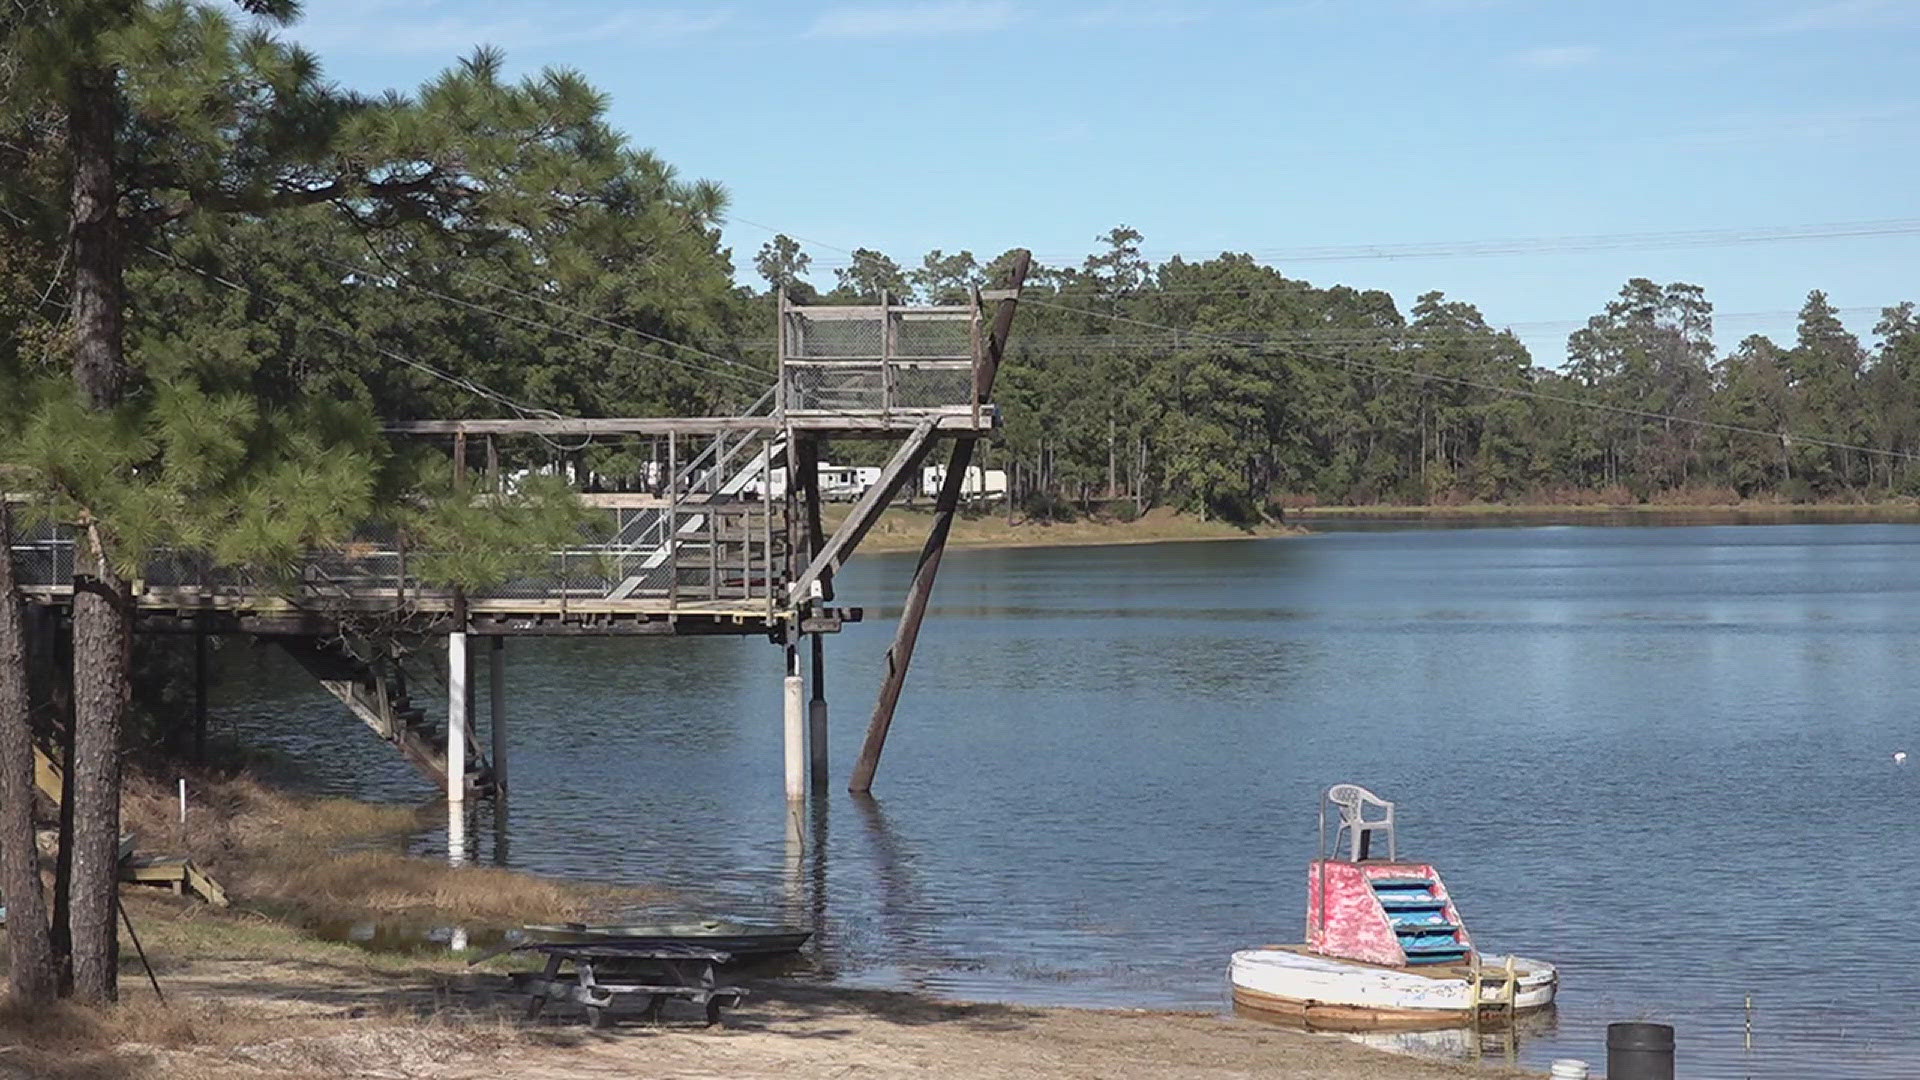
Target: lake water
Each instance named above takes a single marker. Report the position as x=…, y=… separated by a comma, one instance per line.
x=1659, y=757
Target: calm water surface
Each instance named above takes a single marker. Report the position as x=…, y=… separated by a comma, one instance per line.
x=1659, y=757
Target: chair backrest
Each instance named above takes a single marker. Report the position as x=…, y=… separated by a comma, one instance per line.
x=1352, y=799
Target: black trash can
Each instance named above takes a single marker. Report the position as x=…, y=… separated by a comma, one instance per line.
x=1639, y=1052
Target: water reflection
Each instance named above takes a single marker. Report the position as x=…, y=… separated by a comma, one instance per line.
x=1489, y=1042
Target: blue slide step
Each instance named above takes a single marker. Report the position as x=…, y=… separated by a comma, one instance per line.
x=1413, y=903
x=1400, y=883
x=1438, y=953
x=1425, y=927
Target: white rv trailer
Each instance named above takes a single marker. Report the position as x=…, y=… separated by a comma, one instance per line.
x=979, y=483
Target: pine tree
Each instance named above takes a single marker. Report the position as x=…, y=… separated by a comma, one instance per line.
x=196, y=434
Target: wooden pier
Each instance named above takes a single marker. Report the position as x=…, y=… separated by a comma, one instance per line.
x=721, y=533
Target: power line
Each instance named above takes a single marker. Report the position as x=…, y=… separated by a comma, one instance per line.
x=401, y=279
x=461, y=381
x=609, y=323
x=1509, y=246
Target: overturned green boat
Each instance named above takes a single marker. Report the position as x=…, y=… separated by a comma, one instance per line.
x=743, y=940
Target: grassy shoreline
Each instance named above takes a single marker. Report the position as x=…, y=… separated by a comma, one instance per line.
x=253, y=992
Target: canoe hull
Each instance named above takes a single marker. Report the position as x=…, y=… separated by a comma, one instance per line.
x=1300, y=988
x=738, y=939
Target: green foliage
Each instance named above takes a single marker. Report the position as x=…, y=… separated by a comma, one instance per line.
x=299, y=259
x=869, y=275
x=480, y=541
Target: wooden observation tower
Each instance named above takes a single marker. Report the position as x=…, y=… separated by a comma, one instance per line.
x=725, y=537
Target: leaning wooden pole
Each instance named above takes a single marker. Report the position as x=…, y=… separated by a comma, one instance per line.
x=900, y=655
x=816, y=539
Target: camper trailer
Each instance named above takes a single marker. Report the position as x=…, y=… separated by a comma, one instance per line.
x=979, y=483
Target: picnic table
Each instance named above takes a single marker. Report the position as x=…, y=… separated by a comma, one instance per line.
x=604, y=970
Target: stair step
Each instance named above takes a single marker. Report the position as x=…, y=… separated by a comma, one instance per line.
x=1413, y=903
x=1400, y=883
x=1435, y=954
x=1426, y=928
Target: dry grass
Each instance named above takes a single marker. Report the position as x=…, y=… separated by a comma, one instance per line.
x=214, y=1036
x=382, y=883
x=315, y=860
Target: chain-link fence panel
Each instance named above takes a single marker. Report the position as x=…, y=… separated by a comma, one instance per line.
x=43, y=555
x=859, y=338
x=836, y=387
x=943, y=338
x=931, y=384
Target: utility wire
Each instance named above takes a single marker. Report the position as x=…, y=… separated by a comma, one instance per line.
x=1527, y=245
x=1392, y=369
x=460, y=381
x=609, y=323
x=401, y=279
x=1535, y=326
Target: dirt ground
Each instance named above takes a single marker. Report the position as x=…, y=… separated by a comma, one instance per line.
x=253, y=994
x=281, y=1020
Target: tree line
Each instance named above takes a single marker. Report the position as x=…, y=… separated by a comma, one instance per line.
x=219, y=272
x=1225, y=387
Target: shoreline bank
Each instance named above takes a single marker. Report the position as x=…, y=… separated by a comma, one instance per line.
x=1893, y=513
x=251, y=1006
x=905, y=529
x=252, y=992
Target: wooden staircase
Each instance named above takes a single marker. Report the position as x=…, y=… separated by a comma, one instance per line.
x=376, y=692
x=1419, y=919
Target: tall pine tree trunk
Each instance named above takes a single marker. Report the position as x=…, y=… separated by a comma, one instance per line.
x=30, y=972
x=101, y=613
x=99, y=367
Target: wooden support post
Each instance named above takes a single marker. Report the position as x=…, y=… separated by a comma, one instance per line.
x=900, y=655
x=199, y=695
x=794, y=728
x=671, y=537
x=817, y=716
x=457, y=712
x=497, y=709
x=808, y=470
x=497, y=730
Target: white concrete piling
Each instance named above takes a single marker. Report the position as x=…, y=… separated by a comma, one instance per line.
x=457, y=704
x=796, y=738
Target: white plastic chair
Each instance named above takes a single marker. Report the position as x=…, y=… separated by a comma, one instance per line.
x=1353, y=802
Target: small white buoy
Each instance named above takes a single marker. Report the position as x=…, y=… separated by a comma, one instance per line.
x=1569, y=1069
x=1899, y=757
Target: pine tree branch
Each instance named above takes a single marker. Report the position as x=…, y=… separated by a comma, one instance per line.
x=435, y=183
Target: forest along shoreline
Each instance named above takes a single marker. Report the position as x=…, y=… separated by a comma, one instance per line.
x=253, y=990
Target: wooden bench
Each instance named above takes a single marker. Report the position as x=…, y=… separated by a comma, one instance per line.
x=664, y=970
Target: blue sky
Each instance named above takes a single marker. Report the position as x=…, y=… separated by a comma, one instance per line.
x=1271, y=128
